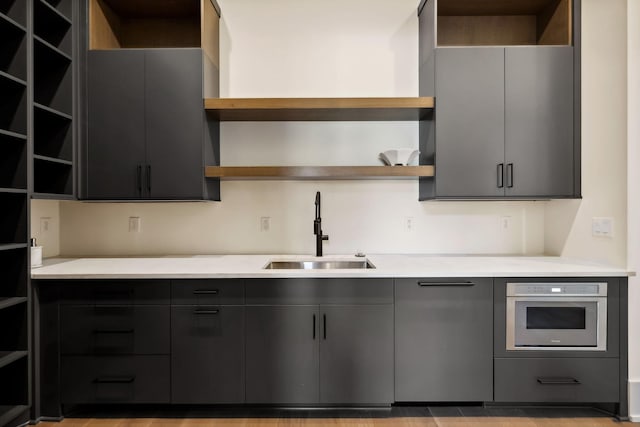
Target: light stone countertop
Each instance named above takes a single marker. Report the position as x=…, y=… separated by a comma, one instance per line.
x=251, y=266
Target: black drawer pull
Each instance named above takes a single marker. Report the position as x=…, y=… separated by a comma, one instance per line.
x=113, y=331
x=445, y=284
x=110, y=293
x=206, y=292
x=558, y=381
x=206, y=311
x=114, y=380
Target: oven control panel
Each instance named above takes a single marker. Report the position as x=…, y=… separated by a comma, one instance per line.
x=556, y=289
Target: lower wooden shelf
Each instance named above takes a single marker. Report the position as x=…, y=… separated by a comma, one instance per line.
x=318, y=172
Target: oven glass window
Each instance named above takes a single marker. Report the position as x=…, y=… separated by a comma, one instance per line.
x=556, y=317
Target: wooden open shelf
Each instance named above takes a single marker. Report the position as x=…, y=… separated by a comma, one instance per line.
x=318, y=109
x=118, y=24
x=504, y=22
x=317, y=172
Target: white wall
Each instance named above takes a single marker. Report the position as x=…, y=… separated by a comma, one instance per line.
x=310, y=48
x=604, y=142
x=633, y=211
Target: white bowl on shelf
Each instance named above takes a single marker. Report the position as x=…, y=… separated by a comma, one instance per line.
x=399, y=157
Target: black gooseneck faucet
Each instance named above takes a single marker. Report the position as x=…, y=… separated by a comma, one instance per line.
x=317, y=227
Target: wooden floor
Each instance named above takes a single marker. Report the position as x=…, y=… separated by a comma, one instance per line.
x=424, y=417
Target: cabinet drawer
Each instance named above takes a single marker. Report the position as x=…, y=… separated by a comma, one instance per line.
x=113, y=379
x=116, y=292
x=207, y=292
x=319, y=291
x=114, y=329
x=557, y=380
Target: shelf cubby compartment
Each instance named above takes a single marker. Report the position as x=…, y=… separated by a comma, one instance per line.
x=52, y=176
x=503, y=22
x=13, y=227
x=16, y=10
x=52, y=77
x=52, y=26
x=62, y=6
x=13, y=45
x=14, y=332
x=52, y=134
x=14, y=267
x=120, y=24
x=13, y=160
x=13, y=106
x=9, y=413
x=14, y=378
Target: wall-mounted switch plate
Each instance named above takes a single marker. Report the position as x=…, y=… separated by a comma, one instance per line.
x=602, y=227
x=265, y=223
x=45, y=224
x=135, y=224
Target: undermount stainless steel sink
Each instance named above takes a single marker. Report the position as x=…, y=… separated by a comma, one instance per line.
x=318, y=265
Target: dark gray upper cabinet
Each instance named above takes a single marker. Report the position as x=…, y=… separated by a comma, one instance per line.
x=469, y=122
x=115, y=150
x=147, y=131
x=282, y=354
x=538, y=130
x=174, y=123
x=506, y=123
x=356, y=354
x=443, y=340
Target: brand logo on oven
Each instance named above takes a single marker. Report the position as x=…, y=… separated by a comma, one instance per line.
x=555, y=341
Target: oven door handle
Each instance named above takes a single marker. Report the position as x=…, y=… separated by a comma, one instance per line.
x=558, y=381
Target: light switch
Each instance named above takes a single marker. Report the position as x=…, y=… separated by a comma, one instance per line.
x=602, y=227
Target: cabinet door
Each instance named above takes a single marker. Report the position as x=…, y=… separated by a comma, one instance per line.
x=282, y=354
x=174, y=124
x=469, y=122
x=444, y=340
x=356, y=354
x=539, y=121
x=207, y=354
x=115, y=148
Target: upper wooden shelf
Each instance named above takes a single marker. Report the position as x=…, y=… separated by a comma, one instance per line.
x=319, y=109
x=317, y=172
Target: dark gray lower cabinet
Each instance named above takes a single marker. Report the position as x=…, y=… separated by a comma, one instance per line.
x=115, y=379
x=356, y=354
x=444, y=340
x=207, y=354
x=567, y=379
x=309, y=342
x=282, y=354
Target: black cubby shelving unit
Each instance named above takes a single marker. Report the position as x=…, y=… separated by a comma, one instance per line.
x=36, y=161
x=53, y=160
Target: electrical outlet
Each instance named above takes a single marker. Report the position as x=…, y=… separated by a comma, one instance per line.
x=135, y=224
x=265, y=223
x=602, y=227
x=408, y=223
x=505, y=223
x=45, y=224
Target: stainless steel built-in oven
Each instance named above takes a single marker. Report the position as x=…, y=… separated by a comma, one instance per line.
x=557, y=316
